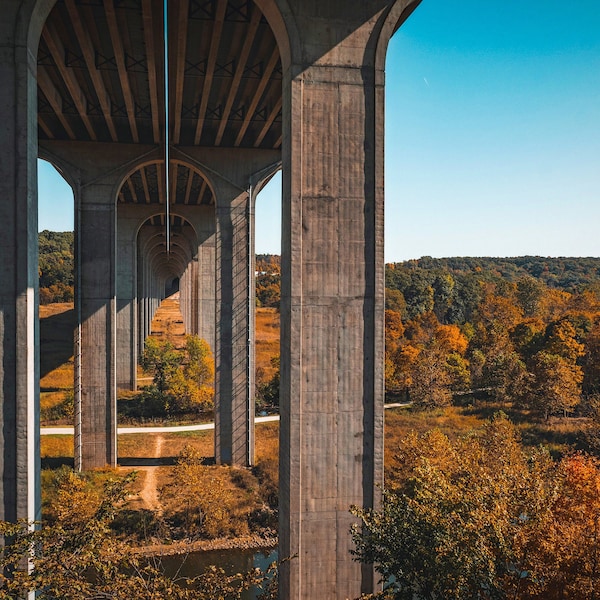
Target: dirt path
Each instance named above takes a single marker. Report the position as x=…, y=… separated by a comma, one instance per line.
x=149, y=493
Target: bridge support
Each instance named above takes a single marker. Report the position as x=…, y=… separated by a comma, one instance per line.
x=234, y=414
x=19, y=335
x=95, y=304
x=332, y=311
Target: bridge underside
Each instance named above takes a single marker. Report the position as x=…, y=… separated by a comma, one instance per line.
x=166, y=140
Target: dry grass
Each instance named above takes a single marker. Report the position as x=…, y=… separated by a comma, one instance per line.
x=267, y=341
x=137, y=445
x=50, y=399
x=56, y=446
x=210, y=501
x=60, y=378
x=168, y=323
x=50, y=310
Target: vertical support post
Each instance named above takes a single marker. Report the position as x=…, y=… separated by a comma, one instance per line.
x=331, y=402
x=19, y=333
x=95, y=298
x=234, y=410
x=127, y=336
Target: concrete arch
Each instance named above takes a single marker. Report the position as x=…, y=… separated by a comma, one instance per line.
x=146, y=218
x=279, y=16
x=64, y=168
x=175, y=161
x=396, y=16
x=30, y=21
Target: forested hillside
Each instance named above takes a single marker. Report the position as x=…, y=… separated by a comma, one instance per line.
x=56, y=266
x=524, y=331
x=520, y=330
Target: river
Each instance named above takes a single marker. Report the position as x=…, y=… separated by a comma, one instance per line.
x=231, y=561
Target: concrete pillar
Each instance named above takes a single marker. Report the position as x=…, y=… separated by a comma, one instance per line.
x=127, y=322
x=234, y=385
x=332, y=311
x=231, y=174
x=19, y=336
x=205, y=289
x=95, y=303
x=202, y=293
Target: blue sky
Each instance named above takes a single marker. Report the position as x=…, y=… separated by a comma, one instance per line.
x=492, y=134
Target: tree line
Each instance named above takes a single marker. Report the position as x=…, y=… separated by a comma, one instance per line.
x=56, y=266
x=513, y=338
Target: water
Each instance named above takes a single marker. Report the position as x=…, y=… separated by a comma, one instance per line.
x=231, y=561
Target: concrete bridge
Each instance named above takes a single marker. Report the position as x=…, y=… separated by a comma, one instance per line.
x=166, y=140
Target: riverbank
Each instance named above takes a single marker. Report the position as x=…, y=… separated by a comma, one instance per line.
x=251, y=542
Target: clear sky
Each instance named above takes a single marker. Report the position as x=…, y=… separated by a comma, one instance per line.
x=492, y=134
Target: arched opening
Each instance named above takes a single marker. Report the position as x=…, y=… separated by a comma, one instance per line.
x=56, y=312
x=268, y=297
x=171, y=286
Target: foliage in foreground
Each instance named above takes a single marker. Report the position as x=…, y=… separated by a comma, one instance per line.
x=78, y=556
x=481, y=518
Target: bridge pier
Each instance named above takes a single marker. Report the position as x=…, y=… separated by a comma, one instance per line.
x=19, y=333
x=95, y=307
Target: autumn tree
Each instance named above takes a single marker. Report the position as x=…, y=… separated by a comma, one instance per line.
x=557, y=377
x=479, y=517
x=563, y=548
x=182, y=379
x=450, y=518
x=77, y=555
x=268, y=280
x=425, y=358
x=591, y=361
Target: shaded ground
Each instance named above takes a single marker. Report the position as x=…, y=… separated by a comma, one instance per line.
x=57, y=323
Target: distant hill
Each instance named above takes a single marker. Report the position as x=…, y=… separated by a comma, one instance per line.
x=454, y=287
x=569, y=274
x=56, y=266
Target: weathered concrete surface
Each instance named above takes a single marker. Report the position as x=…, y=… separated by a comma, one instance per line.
x=332, y=311
x=127, y=323
x=95, y=301
x=19, y=335
x=232, y=174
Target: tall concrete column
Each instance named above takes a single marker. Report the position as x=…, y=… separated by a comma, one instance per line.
x=231, y=174
x=234, y=405
x=202, y=292
x=19, y=336
x=95, y=303
x=332, y=311
x=127, y=322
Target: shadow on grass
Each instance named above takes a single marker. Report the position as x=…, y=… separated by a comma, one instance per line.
x=56, y=462
x=163, y=461
x=56, y=340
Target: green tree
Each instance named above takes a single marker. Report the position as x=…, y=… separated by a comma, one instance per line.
x=556, y=384
x=182, y=379
x=529, y=294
